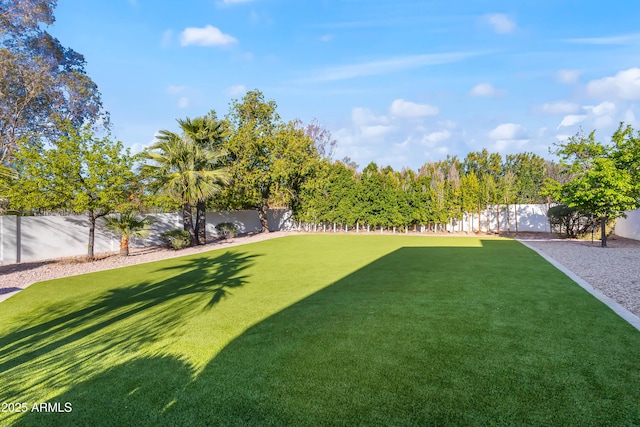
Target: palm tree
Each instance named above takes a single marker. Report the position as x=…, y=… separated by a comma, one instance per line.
x=208, y=133
x=128, y=225
x=189, y=171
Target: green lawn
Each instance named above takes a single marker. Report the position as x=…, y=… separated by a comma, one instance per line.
x=322, y=330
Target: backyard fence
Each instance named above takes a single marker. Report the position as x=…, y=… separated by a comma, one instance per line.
x=521, y=218
x=36, y=238
x=629, y=227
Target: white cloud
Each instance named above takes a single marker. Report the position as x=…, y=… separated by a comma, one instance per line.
x=608, y=40
x=508, y=135
x=508, y=131
x=563, y=137
x=183, y=102
x=235, y=1
x=387, y=66
x=559, y=107
x=601, y=109
x=603, y=122
x=624, y=85
x=364, y=116
x=630, y=118
x=174, y=89
x=568, y=77
x=571, y=119
x=374, y=131
x=206, y=36
x=500, y=22
x=434, y=138
x=236, y=90
x=485, y=89
x=326, y=37
x=407, y=109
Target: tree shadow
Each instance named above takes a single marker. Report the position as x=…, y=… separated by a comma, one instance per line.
x=117, y=323
x=135, y=393
x=408, y=339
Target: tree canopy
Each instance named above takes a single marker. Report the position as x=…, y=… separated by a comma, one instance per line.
x=80, y=174
x=42, y=83
x=603, y=177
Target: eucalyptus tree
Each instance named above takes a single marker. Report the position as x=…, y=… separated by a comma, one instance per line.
x=42, y=83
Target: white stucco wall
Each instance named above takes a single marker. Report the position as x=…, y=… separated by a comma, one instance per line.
x=36, y=238
x=629, y=227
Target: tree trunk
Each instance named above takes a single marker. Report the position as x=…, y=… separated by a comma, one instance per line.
x=262, y=213
x=603, y=230
x=488, y=219
x=201, y=222
x=92, y=234
x=187, y=222
x=124, y=245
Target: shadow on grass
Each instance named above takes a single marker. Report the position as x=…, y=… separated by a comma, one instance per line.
x=196, y=279
x=421, y=336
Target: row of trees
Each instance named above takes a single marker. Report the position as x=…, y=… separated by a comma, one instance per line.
x=436, y=194
x=250, y=159
x=253, y=159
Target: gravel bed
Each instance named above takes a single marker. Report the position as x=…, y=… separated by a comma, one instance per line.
x=614, y=271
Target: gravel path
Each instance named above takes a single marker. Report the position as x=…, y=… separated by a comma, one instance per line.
x=614, y=271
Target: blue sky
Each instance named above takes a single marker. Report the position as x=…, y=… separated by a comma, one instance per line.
x=396, y=82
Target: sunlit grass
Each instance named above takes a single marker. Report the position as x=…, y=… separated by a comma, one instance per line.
x=323, y=330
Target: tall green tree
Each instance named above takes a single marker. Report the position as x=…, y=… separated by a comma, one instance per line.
x=42, y=83
x=529, y=171
x=185, y=171
x=470, y=195
x=603, y=181
x=269, y=159
x=80, y=173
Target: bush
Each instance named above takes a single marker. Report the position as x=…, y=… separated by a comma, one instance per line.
x=570, y=221
x=176, y=239
x=227, y=230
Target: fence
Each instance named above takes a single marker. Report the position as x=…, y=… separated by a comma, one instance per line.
x=522, y=218
x=28, y=239
x=36, y=238
x=629, y=227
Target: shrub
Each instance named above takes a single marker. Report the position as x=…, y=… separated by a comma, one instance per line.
x=569, y=220
x=176, y=239
x=227, y=230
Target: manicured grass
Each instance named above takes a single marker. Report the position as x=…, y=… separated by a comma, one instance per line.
x=323, y=330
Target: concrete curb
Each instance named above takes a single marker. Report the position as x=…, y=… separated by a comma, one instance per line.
x=6, y=295
x=613, y=305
